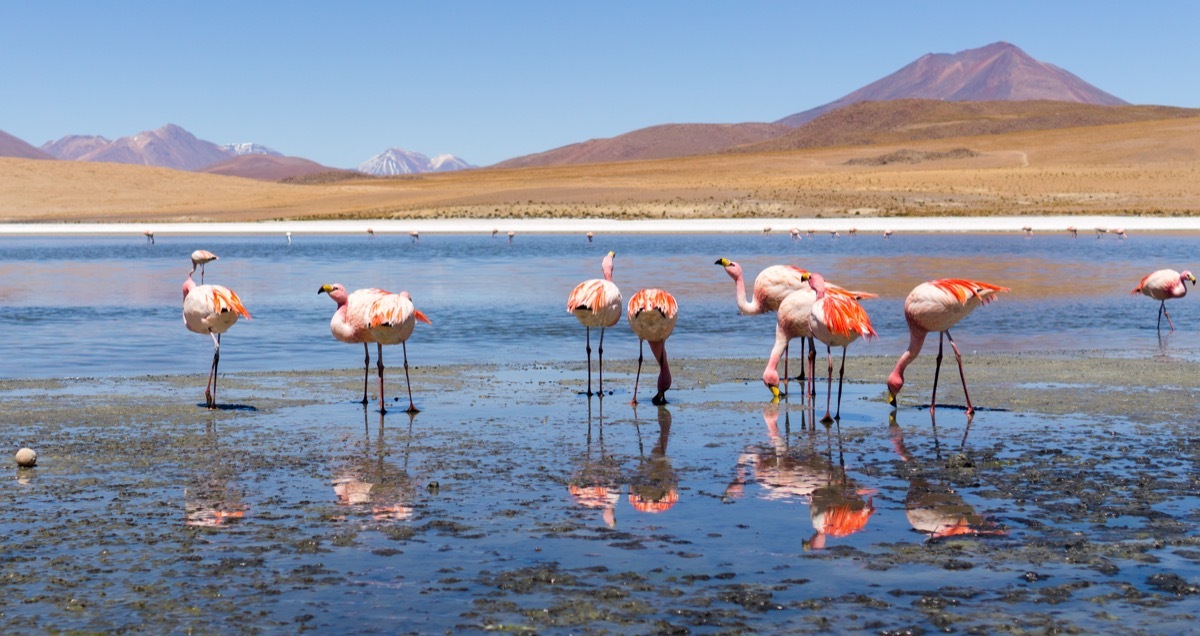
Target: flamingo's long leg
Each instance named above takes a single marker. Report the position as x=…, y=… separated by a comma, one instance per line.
x=637, y=378
x=812, y=368
x=589, y=360
x=366, y=369
x=841, y=376
x=379, y=365
x=937, y=369
x=962, y=376
x=412, y=408
x=787, y=353
x=210, y=389
x=1168, y=315
x=600, y=364
x=828, y=384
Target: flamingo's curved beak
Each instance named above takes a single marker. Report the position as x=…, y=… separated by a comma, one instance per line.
x=774, y=392
x=723, y=262
x=1193, y=279
x=891, y=399
x=325, y=289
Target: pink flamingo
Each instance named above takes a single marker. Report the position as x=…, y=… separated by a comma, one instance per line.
x=1162, y=285
x=414, y=236
x=766, y=230
x=350, y=323
x=370, y=233
x=390, y=320
x=1120, y=232
x=887, y=234
x=795, y=234
x=511, y=234
x=1074, y=231
x=212, y=310
x=201, y=258
x=938, y=305
x=495, y=231
x=596, y=303
x=836, y=320
x=149, y=236
x=1028, y=230
x=652, y=314
x=590, y=236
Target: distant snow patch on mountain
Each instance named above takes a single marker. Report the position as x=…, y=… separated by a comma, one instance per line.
x=397, y=161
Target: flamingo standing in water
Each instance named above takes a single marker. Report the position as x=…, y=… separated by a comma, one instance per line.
x=201, y=258
x=795, y=234
x=211, y=310
x=887, y=234
x=596, y=303
x=1162, y=285
x=652, y=314
x=414, y=236
x=350, y=323
x=590, y=236
x=511, y=234
x=149, y=236
x=1074, y=231
x=390, y=320
x=938, y=305
x=837, y=320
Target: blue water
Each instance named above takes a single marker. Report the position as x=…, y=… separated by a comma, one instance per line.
x=110, y=306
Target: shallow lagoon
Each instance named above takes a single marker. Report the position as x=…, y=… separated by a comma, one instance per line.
x=511, y=502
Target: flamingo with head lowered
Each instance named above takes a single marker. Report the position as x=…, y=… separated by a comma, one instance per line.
x=936, y=306
x=652, y=314
x=350, y=322
x=200, y=258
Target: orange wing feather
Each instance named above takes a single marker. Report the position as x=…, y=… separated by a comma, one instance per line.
x=224, y=299
x=422, y=317
x=844, y=316
x=964, y=289
x=589, y=293
x=656, y=299
x=1137, y=290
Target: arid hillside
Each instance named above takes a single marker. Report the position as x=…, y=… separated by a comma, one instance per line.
x=1149, y=167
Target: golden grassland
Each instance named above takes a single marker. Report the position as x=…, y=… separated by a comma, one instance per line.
x=1145, y=168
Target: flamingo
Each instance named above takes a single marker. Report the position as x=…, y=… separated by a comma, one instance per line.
x=1074, y=231
x=511, y=234
x=938, y=305
x=390, y=320
x=887, y=234
x=811, y=232
x=652, y=314
x=1162, y=285
x=589, y=236
x=1120, y=232
x=350, y=323
x=201, y=258
x=853, y=231
x=414, y=236
x=370, y=233
x=834, y=234
x=1028, y=230
x=766, y=230
x=289, y=237
x=795, y=234
x=596, y=303
x=149, y=236
x=495, y=231
x=1100, y=232
x=212, y=310
x=836, y=320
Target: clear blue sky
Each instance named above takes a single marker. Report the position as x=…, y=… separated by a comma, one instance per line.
x=340, y=82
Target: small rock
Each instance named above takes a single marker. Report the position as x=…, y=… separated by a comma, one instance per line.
x=26, y=457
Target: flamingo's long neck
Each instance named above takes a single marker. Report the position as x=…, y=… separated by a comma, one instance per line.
x=749, y=307
x=188, y=285
x=771, y=373
x=817, y=282
x=607, y=267
x=915, y=342
x=659, y=349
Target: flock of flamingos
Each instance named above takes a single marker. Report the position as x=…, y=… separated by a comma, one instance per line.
x=807, y=307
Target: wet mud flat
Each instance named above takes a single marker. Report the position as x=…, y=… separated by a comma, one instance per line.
x=512, y=503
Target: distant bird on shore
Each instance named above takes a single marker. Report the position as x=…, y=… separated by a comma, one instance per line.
x=596, y=303
x=211, y=310
x=1027, y=230
x=936, y=306
x=414, y=236
x=370, y=233
x=1100, y=232
x=1074, y=231
x=390, y=320
x=201, y=258
x=834, y=234
x=589, y=236
x=811, y=232
x=149, y=236
x=836, y=320
x=511, y=234
x=350, y=323
x=887, y=234
x=495, y=231
x=795, y=234
x=1120, y=232
x=853, y=231
x=289, y=238
x=652, y=314
x=1163, y=285
x=766, y=230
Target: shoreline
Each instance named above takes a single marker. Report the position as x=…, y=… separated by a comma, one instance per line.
x=901, y=225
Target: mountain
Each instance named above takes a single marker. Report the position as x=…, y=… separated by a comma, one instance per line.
x=238, y=150
x=12, y=147
x=656, y=142
x=995, y=72
x=910, y=120
x=73, y=147
x=167, y=147
x=265, y=167
x=397, y=161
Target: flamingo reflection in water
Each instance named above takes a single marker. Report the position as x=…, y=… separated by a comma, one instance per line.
x=370, y=483
x=596, y=483
x=213, y=498
x=655, y=486
x=837, y=505
x=932, y=507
